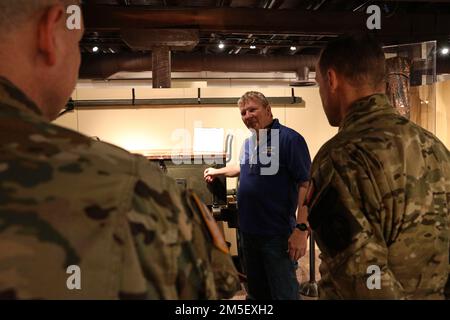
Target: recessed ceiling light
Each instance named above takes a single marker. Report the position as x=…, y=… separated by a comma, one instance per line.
x=252, y=47
x=221, y=45
x=444, y=51
x=293, y=48
x=95, y=49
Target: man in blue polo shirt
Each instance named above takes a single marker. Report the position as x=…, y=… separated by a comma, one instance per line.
x=274, y=171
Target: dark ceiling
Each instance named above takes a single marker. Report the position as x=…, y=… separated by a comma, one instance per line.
x=269, y=27
x=252, y=28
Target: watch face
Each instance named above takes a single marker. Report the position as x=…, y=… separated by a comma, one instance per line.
x=302, y=226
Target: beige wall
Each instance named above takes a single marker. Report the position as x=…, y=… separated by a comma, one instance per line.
x=144, y=129
x=443, y=112
x=152, y=128
x=155, y=128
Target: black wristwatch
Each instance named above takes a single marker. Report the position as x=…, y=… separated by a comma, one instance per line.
x=302, y=226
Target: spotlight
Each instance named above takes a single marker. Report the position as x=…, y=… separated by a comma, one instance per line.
x=95, y=49
x=444, y=51
x=252, y=47
x=293, y=48
x=221, y=45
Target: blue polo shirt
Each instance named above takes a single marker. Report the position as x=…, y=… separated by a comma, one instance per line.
x=271, y=172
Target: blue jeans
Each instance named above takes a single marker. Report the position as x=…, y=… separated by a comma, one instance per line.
x=271, y=274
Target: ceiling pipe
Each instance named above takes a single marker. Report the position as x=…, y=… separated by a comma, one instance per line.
x=104, y=66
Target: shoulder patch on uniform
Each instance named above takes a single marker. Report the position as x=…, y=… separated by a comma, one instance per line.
x=213, y=228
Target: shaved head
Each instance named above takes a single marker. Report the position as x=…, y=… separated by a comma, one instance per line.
x=39, y=51
x=13, y=13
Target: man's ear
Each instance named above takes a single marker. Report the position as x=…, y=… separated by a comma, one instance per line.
x=48, y=29
x=332, y=79
x=269, y=110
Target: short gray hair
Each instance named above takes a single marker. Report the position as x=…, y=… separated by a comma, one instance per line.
x=15, y=12
x=253, y=95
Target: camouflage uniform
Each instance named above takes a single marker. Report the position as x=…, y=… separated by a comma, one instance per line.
x=380, y=195
x=66, y=199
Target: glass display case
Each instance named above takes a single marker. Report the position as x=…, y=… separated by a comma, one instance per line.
x=411, y=81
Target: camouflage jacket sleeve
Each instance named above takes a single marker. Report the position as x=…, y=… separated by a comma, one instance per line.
x=348, y=233
x=169, y=252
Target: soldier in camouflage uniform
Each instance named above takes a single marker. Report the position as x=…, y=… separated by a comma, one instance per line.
x=380, y=189
x=67, y=200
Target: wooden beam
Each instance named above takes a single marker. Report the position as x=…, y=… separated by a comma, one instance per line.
x=411, y=26
x=161, y=67
x=175, y=39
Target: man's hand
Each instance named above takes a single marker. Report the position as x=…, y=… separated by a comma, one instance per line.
x=297, y=244
x=209, y=174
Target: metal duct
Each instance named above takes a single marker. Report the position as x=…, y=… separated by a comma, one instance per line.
x=104, y=66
